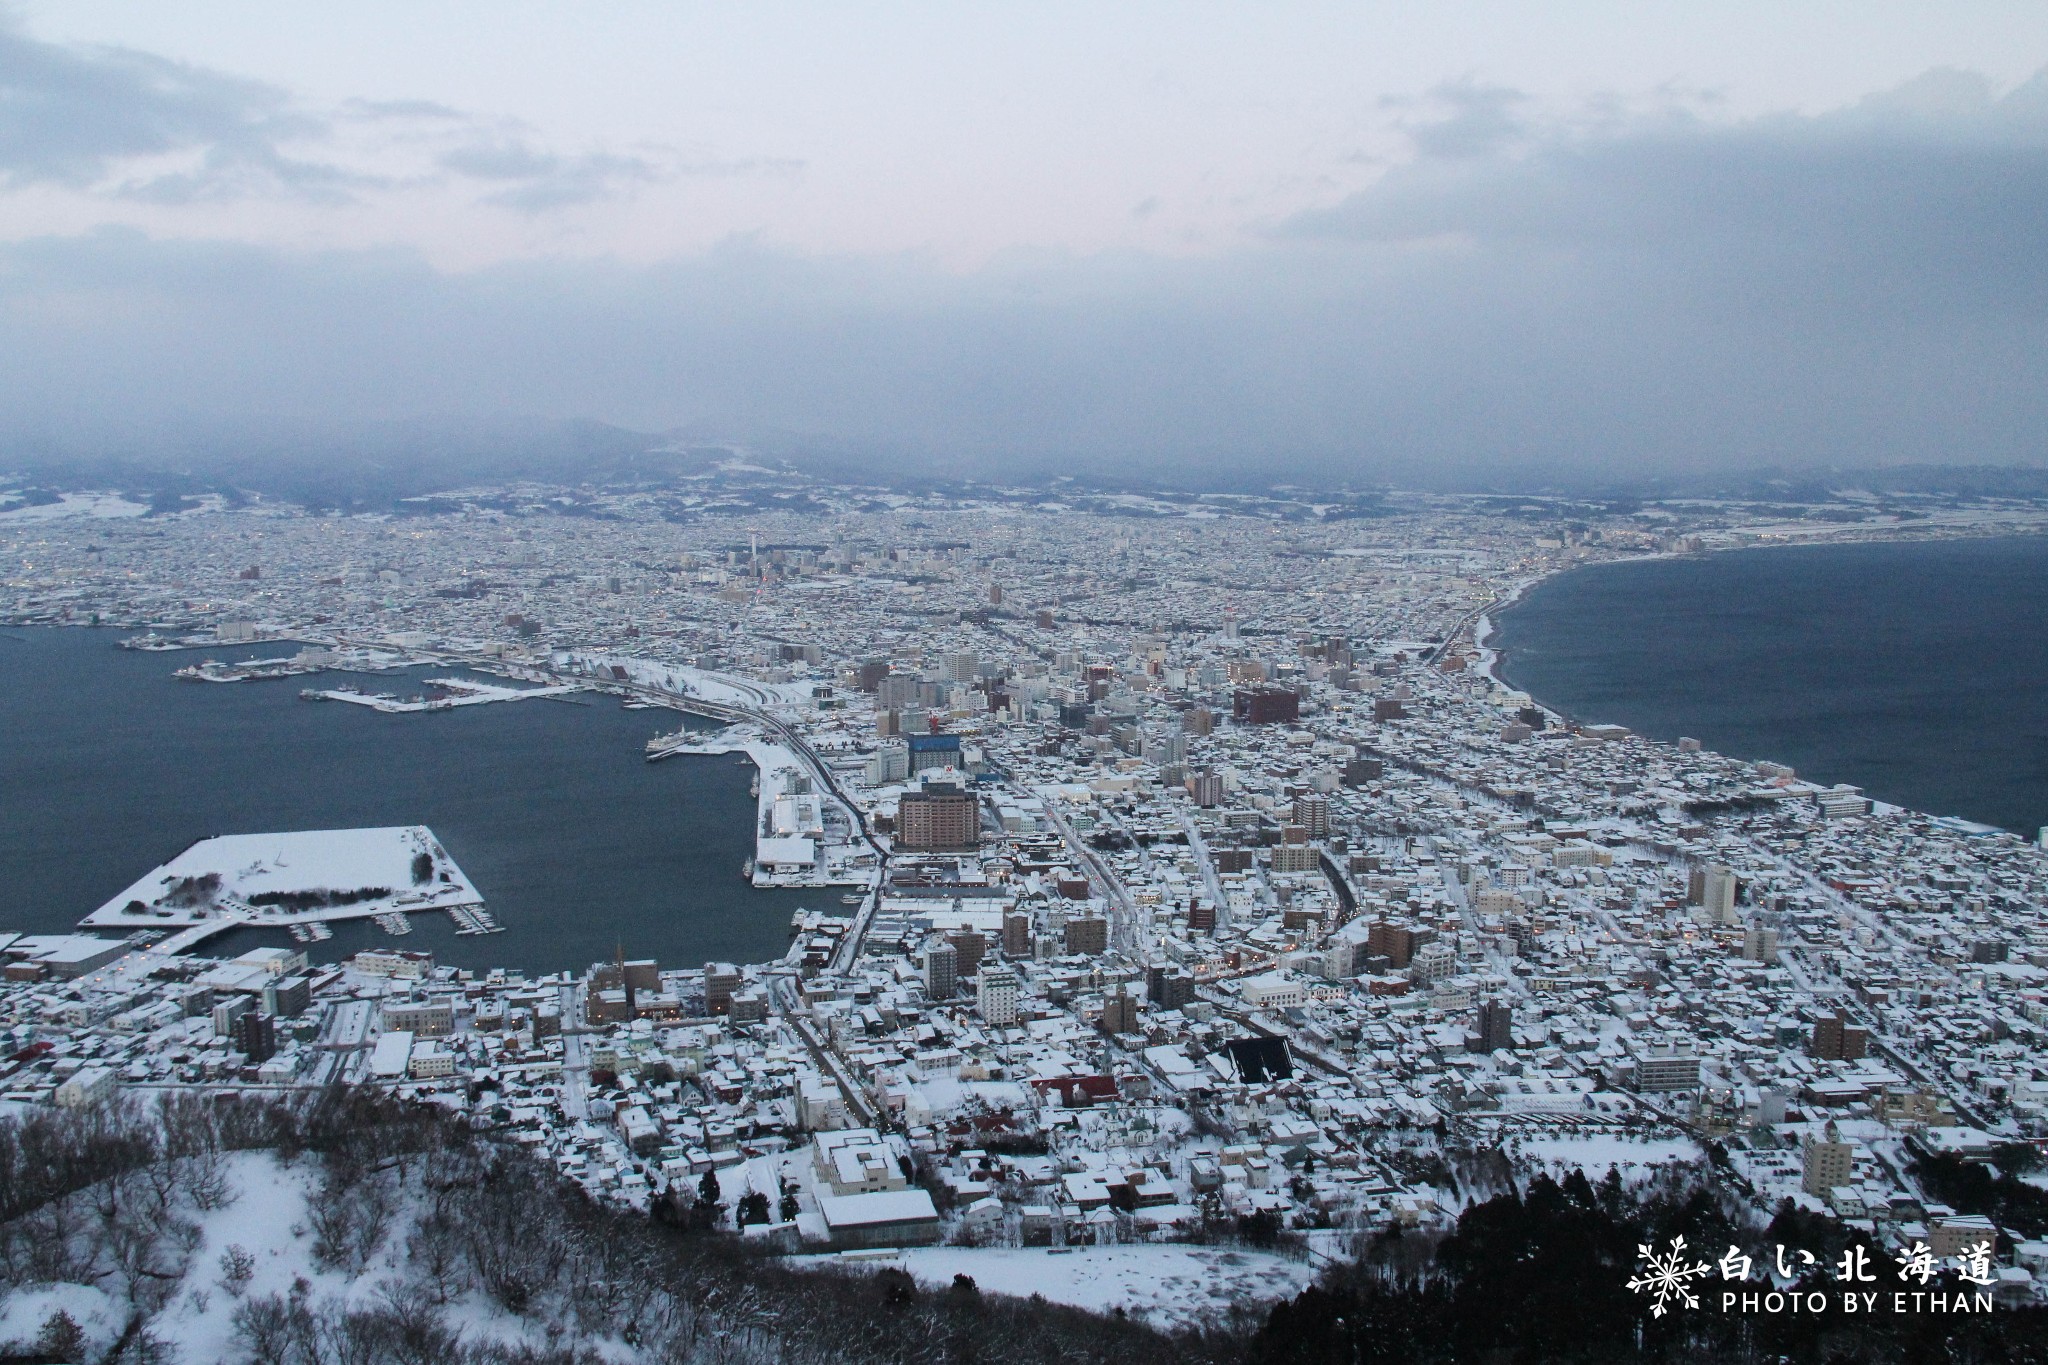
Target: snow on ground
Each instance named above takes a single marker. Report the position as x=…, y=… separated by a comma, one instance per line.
x=98, y=1314
x=267, y=1218
x=1636, y=1158
x=702, y=682
x=102, y=505
x=1166, y=1285
x=307, y=860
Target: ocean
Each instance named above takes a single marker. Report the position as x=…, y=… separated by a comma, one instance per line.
x=1917, y=670
x=581, y=848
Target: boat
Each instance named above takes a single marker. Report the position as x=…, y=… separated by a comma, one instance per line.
x=747, y=869
x=851, y=900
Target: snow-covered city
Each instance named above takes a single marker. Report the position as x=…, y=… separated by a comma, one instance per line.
x=1194, y=901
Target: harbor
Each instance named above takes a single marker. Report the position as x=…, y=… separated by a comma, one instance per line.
x=441, y=694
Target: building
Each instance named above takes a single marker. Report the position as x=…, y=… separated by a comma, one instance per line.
x=228, y=1011
x=428, y=1061
x=1206, y=788
x=995, y=997
x=1718, y=886
x=1296, y=858
x=1360, y=771
x=721, y=979
x=1960, y=1233
x=933, y=751
x=288, y=996
x=1825, y=1162
x=1017, y=934
x=1312, y=813
x=941, y=970
x=1087, y=934
x=421, y=1018
x=395, y=963
x=896, y=1218
x=1835, y=1039
x=969, y=948
x=1760, y=945
x=1666, y=1065
x=939, y=818
x=1168, y=988
x=1265, y=706
x=388, y=1060
x=1496, y=1027
x=255, y=1037
x=856, y=1161
x=1272, y=991
x=1119, y=1012
x=890, y=763
x=87, y=1085
x=1432, y=963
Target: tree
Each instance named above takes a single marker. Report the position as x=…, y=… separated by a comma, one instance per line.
x=61, y=1338
x=753, y=1208
x=422, y=868
x=237, y=1268
x=788, y=1208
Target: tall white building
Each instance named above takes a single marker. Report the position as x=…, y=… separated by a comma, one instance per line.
x=995, y=996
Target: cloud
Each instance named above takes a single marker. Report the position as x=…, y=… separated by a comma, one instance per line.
x=129, y=125
x=77, y=116
x=535, y=180
x=1475, y=120
x=1657, y=293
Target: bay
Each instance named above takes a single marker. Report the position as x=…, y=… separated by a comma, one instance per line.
x=109, y=766
x=1916, y=670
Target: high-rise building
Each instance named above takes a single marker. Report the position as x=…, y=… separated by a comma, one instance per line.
x=1206, y=788
x=1265, y=706
x=1760, y=945
x=1359, y=771
x=1168, y=988
x=255, y=1037
x=1432, y=963
x=995, y=997
x=1825, y=1162
x=896, y=691
x=969, y=947
x=939, y=817
x=890, y=763
x=941, y=975
x=1496, y=1027
x=1119, y=1012
x=1835, y=1039
x=1312, y=813
x=1202, y=917
x=1087, y=934
x=1718, y=887
x=1017, y=934
x=721, y=979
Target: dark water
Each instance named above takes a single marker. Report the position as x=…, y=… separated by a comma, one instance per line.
x=109, y=766
x=1916, y=671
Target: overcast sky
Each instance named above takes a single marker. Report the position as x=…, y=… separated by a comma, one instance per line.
x=1351, y=240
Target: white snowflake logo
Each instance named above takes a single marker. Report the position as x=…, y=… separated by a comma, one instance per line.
x=1667, y=1277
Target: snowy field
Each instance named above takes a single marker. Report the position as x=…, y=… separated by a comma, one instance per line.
x=1636, y=1158
x=99, y=505
x=1167, y=1286
x=223, y=876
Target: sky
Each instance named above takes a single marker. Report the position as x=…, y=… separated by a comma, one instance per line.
x=1455, y=242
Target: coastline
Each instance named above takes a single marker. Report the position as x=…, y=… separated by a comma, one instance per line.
x=1494, y=655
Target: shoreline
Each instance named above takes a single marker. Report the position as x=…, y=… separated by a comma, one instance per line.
x=1487, y=625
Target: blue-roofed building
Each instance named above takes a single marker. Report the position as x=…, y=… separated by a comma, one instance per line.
x=934, y=751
